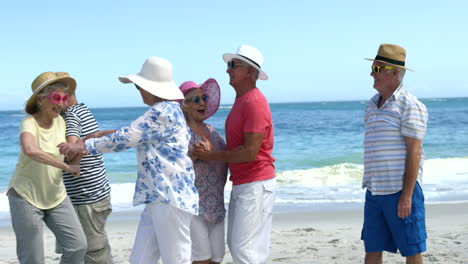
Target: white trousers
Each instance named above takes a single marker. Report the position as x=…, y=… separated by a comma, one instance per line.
x=207, y=240
x=249, y=221
x=163, y=233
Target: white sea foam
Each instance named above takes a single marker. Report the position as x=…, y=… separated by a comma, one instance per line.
x=436, y=171
x=340, y=174
x=445, y=181
x=225, y=106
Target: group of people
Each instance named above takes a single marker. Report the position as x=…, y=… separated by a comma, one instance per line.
x=182, y=165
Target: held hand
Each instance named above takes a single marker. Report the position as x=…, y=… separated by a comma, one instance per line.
x=74, y=169
x=404, y=206
x=201, y=150
x=205, y=145
x=70, y=149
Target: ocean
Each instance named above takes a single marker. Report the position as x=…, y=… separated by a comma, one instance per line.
x=318, y=150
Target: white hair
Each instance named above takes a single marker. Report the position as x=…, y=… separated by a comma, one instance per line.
x=401, y=74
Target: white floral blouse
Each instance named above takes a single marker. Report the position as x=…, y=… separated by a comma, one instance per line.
x=165, y=171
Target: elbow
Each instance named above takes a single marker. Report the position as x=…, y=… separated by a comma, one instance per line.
x=30, y=152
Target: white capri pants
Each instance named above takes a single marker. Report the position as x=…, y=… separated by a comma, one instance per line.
x=163, y=233
x=249, y=221
x=207, y=240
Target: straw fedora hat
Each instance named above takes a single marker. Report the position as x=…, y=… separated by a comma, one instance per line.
x=211, y=88
x=391, y=54
x=42, y=81
x=250, y=55
x=155, y=77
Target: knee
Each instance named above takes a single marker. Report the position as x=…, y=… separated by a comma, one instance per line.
x=80, y=246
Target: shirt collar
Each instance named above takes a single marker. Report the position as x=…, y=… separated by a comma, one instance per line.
x=396, y=94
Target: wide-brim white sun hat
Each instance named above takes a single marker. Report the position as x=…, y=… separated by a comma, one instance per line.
x=250, y=55
x=155, y=77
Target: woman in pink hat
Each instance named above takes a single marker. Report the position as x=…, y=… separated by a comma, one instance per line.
x=206, y=229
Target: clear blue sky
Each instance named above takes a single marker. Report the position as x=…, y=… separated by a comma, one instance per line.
x=313, y=50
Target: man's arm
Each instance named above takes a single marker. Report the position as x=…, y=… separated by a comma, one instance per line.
x=244, y=153
x=413, y=159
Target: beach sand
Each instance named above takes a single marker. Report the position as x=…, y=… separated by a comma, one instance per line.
x=331, y=236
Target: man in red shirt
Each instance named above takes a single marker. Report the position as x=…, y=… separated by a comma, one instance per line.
x=249, y=138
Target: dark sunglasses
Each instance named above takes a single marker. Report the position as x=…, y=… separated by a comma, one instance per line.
x=376, y=68
x=197, y=99
x=234, y=64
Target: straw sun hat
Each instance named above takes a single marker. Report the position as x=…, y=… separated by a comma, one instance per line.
x=211, y=88
x=250, y=55
x=155, y=77
x=42, y=81
x=391, y=54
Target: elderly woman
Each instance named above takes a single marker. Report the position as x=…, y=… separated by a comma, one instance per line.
x=165, y=181
x=36, y=192
x=207, y=229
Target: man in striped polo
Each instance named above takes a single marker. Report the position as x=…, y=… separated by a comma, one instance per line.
x=395, y=126
x=90, y=192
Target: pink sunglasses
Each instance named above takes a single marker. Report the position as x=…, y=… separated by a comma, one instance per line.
x=56, y=98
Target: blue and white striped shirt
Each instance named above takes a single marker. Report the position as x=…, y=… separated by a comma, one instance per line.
x=402, y=115
x=92, y=185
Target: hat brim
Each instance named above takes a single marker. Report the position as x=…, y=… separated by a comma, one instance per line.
x=68, y=81
x=396, y=65
x=164, y=90
x=211, y=88
x=229, y=56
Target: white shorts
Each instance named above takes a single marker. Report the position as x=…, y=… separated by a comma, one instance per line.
x=249, y=221
x=207, y=240
x=163, y=233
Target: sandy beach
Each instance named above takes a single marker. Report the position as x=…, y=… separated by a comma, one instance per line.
x=331, y=236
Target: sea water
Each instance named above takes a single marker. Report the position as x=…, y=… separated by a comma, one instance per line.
x=318, y=150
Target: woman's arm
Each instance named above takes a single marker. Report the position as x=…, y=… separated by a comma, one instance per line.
x=28, y=145
x=100, y=133
x=116, y=141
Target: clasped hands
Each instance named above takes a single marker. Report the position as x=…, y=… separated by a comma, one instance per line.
x=202, y=149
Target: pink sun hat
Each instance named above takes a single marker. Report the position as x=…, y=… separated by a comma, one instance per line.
x=211, y=88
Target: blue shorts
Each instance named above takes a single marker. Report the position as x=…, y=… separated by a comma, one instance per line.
x=383, y=230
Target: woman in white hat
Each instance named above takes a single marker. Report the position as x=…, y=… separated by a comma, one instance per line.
x=36, y=192
x=165, y=177
x=207, y=229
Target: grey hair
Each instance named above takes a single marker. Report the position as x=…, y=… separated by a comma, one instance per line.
x=401, y=74
x=256, y=72
x=52, y=87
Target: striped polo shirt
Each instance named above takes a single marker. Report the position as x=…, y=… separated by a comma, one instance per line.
x=402, y=115
x=92, y=185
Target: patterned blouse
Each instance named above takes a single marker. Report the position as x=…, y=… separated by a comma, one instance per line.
x=165, y=171
x=210, y=178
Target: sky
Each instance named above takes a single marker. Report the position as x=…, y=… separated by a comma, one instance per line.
x=313, y=50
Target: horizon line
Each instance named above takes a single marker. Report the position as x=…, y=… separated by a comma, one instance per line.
x=295, y=102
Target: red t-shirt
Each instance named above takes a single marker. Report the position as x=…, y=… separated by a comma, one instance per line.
x=251, y=114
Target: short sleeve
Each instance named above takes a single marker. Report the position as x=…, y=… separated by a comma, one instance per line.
x=414, y=120
x=256, y=117
x=28, y=125
x=73, y=123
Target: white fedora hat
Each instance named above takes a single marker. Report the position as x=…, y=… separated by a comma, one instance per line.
x=156, y=77
x=250, y=55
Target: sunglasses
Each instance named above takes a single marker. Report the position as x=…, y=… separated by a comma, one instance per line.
x=234, y=64
x=376, y=68
x=56, y=98
x=197, y=99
